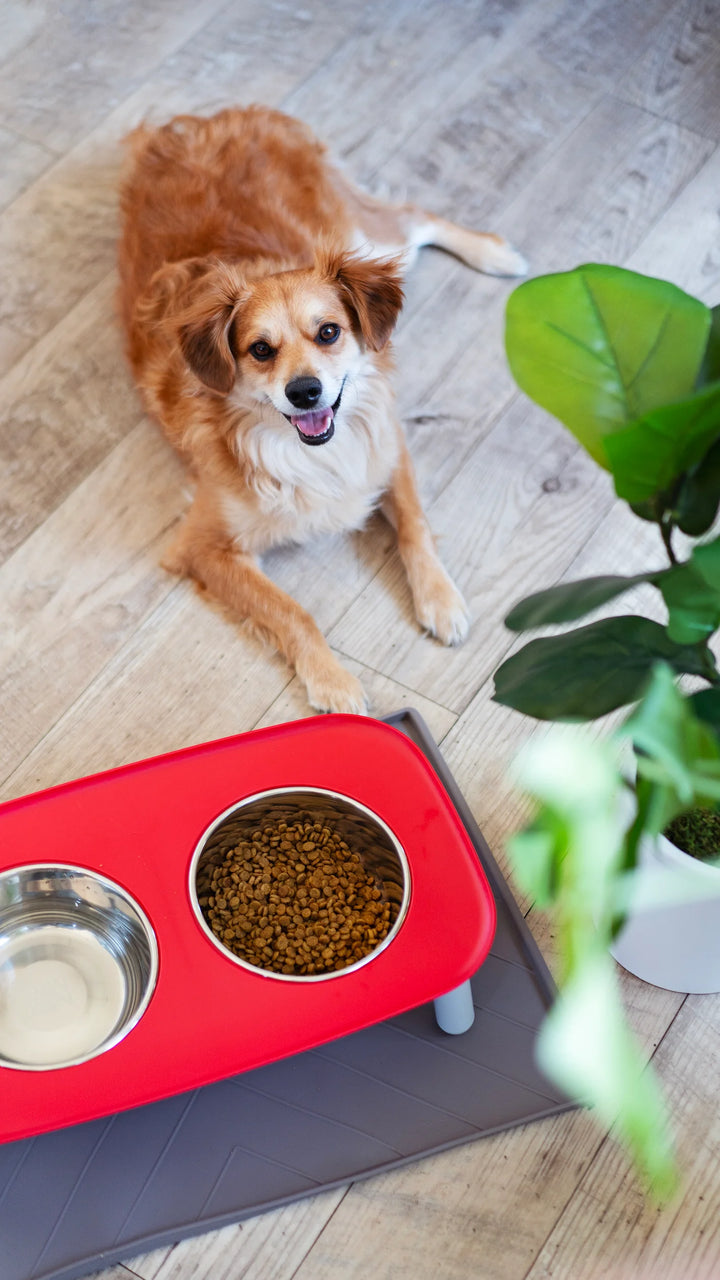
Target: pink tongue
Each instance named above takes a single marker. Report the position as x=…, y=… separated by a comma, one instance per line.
x=313, y=424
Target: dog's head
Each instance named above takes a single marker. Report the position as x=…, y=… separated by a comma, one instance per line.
x=295, y=339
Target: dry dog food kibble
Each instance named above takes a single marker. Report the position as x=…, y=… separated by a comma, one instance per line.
x=293, y=898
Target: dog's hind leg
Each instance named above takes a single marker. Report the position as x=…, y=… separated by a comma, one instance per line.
x=385, y=228
x=480, y=250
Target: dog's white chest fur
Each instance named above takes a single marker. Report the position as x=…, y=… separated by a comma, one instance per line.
x=297, y=490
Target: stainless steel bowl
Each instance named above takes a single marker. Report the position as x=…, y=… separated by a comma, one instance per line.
x=78, y=965
x=365, y=833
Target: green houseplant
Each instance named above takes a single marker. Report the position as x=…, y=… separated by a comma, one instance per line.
x=631, y=365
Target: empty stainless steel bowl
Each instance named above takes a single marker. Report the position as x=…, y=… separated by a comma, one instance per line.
x=366, y=834
x=78, y=965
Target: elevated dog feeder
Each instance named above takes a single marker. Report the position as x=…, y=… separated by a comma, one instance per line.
x=149, y=1134
x=138, y=832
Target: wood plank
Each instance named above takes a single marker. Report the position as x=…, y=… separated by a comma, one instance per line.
x=603, y=39
x=479, y=749
x=242, y=56
x=589, y=202
x=481, y=1209
x=617, y=192
x=475, y=1211
x=65, y=405
x=22, y=163
x=402, y=72
x=85, y=61
x=116, y=1273
x=478, y=1210
x=327, y=573
x=58, y=241
x=23, y=159
x=21, y=20
x=119, y=1272
x=185, y=676
x=677, y=75
x=691, y=261
x=496, y=130
x=269, y=1247
x=76, y=590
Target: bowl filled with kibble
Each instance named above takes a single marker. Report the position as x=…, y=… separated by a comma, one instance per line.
x=300, y=884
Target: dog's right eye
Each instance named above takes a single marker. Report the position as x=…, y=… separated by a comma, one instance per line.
x=261, y=350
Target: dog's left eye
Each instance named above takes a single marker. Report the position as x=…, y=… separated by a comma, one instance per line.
x=261, y=350
x=328, y=333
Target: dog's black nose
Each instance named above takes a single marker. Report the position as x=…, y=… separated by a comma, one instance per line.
x=304, y=393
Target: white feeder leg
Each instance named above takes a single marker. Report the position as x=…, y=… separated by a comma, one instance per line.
x=454, y=1011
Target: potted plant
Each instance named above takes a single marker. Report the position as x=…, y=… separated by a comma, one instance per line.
x=631, y=365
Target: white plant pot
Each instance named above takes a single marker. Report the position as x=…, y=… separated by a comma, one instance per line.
x=672, y=934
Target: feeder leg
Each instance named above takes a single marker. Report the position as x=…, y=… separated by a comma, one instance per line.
x=454, y=1011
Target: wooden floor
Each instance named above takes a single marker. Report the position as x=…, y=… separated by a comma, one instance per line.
x=583, y=130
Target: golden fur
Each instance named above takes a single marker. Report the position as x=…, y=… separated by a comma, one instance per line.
x=259, y=338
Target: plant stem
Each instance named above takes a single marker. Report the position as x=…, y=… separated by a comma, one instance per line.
x=710, y=671
x=666, y=529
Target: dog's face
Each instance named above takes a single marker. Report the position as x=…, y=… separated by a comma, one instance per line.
x=295, y=346
x=294, y=339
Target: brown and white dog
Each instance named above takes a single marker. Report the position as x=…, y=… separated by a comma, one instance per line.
x=258, y=331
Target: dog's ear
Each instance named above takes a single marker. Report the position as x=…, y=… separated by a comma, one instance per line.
x=205, y=328
x=372, y=289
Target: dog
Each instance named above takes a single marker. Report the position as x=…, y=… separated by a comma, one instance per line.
x=259, y=291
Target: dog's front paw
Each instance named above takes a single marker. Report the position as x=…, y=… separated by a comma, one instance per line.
x=441, y=610
x=335, y=689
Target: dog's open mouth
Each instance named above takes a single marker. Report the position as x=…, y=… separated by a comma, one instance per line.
x=317, y=426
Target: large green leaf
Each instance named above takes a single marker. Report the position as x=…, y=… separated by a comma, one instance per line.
x=586, y=673
x=691, y=592
x=586, y=1047
x=570, y=600
x=572, y=854
x=572, y=848
x=601, y=346
x=653, y=452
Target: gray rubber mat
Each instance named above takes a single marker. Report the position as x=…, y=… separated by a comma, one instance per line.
x=79, y=1199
